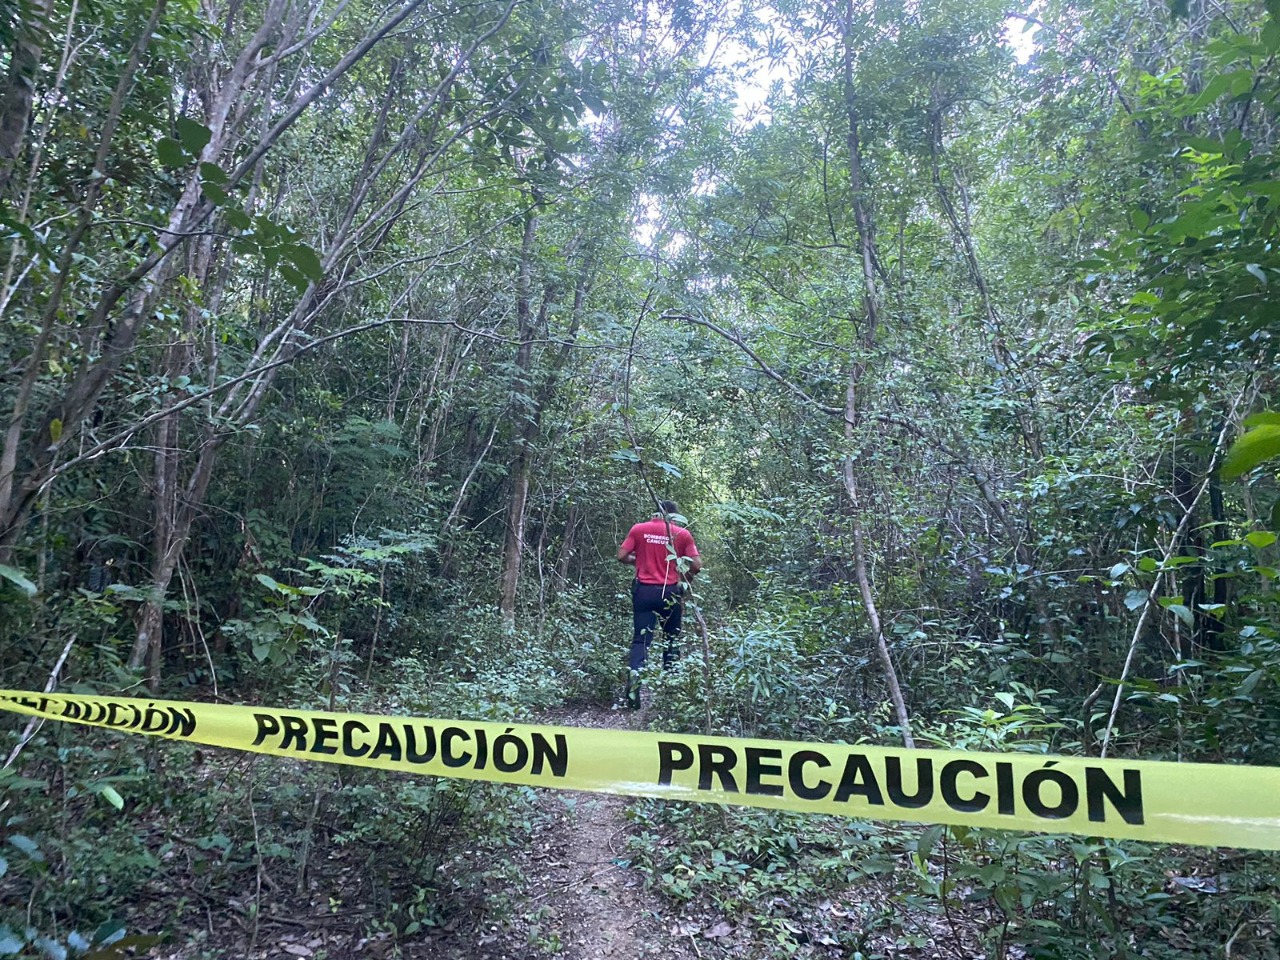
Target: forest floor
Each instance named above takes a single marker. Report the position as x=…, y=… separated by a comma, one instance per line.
x=583, y=901
x=566, y=891
x=576, y=898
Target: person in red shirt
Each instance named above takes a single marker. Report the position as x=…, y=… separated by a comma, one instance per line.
x=662, y=573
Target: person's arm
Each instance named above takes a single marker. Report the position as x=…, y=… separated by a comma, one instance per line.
x=689, y=554
x=627, y=551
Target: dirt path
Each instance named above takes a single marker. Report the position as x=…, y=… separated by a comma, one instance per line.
x=604, y=910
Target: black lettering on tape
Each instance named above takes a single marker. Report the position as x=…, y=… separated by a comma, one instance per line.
x=1068, y=794
x=295, y=732
x=1099, y=786
x=450, y=758
x=858, y=778
x=349, y=748
x=1004, y=789
x=325, y=730
x=951, y=795
x=672, y=756
x=924, y=783
x=268, y=726
x=718, y=760
x=510, y=753
x=556, y=756
x=388, y=744
x=757, y=768
x=183, y=723
x=795, y=775
x=411, y=752
x=482, y=749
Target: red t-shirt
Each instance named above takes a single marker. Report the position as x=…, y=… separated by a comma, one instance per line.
x=653, y=561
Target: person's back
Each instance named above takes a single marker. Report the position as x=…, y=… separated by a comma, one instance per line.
x=658, y=588
x=655, y=560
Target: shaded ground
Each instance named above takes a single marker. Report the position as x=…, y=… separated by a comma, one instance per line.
x=571, y=895
x=583, y=902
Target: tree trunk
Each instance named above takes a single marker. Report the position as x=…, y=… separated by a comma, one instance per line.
x=513, y=540
x=867, y=339
x=19, y=89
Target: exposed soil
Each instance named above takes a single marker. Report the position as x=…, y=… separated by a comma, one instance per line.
x=583, y=901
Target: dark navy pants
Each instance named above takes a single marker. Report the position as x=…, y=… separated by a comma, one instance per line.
x=654, y=606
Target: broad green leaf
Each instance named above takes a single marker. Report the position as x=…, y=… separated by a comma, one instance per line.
x=194, y=136
x=1135, y=599
x=1255, y=447
x=1247, y=685
x=14, y=576
x=306, y=260
x=170, y=153
x=55, y=430
x=212, y=173
x=1183, y=613
x=1256, y=270
x=27, y=846
x=1260, y=538
x=269, y=582
x=214, y=194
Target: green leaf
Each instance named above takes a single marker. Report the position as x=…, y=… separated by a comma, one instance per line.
x=55, y=430
x=1247, y=685
x=194, y=136
x=1118, y=571
x=1262, y=419
x=1271, y=35
x=14, y=576
x=4, y=867
x=170, y=153
x=1182, y=612
x=112, y=797
x=1135, y=599
x=1257, y=446
x=306, y=260
x=214, y=194
x=1256, y=270
x=269, y=582
x=212, y=173
x=1260, y=538
x=27, y=846
x=9, y=943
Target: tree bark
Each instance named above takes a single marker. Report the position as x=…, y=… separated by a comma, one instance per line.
x=866, y=341
x=19, y=89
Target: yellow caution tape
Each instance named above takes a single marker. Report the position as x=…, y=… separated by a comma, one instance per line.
x=1194, y=803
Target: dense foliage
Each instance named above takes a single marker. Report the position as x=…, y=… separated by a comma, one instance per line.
x=340, y=343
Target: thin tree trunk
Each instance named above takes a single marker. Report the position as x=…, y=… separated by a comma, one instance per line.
x=867, y=340
x=19, y=89
x=513, y=541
